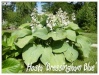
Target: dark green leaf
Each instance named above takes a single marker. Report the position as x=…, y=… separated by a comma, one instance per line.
x=59, y=46
x=10, y=41
x=11, y=65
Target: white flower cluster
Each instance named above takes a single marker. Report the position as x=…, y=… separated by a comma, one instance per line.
x=60, y=19
x=51, y=21
x=62, y=16
x=73, y=16
x=35, y=23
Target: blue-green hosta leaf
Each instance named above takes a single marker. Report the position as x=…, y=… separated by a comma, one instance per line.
x=73, y=26
x=58, y=35
x=71, y=54
x=21, y=33
x=85, y=45
x=24, y=41
x=59, y=59
x=41, y=33
x=25, y=25
x=71, y=35
x=59, y=46
x=11, y=65
x=46, y=55
x=49, y=57
x=31, y=54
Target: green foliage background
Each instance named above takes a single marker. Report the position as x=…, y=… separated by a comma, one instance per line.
x=86, y=12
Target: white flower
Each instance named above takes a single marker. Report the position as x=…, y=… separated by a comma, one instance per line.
x=60, y=10
x=65, y=13
x=66, y=22
x=46, y=21
x=32, y=14
x=73, y=16
x=50, y=26
x=53, y=24
x=35, y=9
x=32, y=17
x=32, y=27
x=61, y=19
x=53, y=16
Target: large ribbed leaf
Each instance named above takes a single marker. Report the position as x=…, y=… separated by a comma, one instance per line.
x=73, y=26
x=41, y=33
x=31, y=54
x=71, y=54
x=24, y=41
x=59, y=59
x=71, y=35
x=59, y=46
x=11, y=65
x=46, y=55
x=58, y=35
x=49, y=57
x=21, y=33
x=25, y=25
x=85, y=45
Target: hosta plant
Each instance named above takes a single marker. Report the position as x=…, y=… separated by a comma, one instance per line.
x=52, y=39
